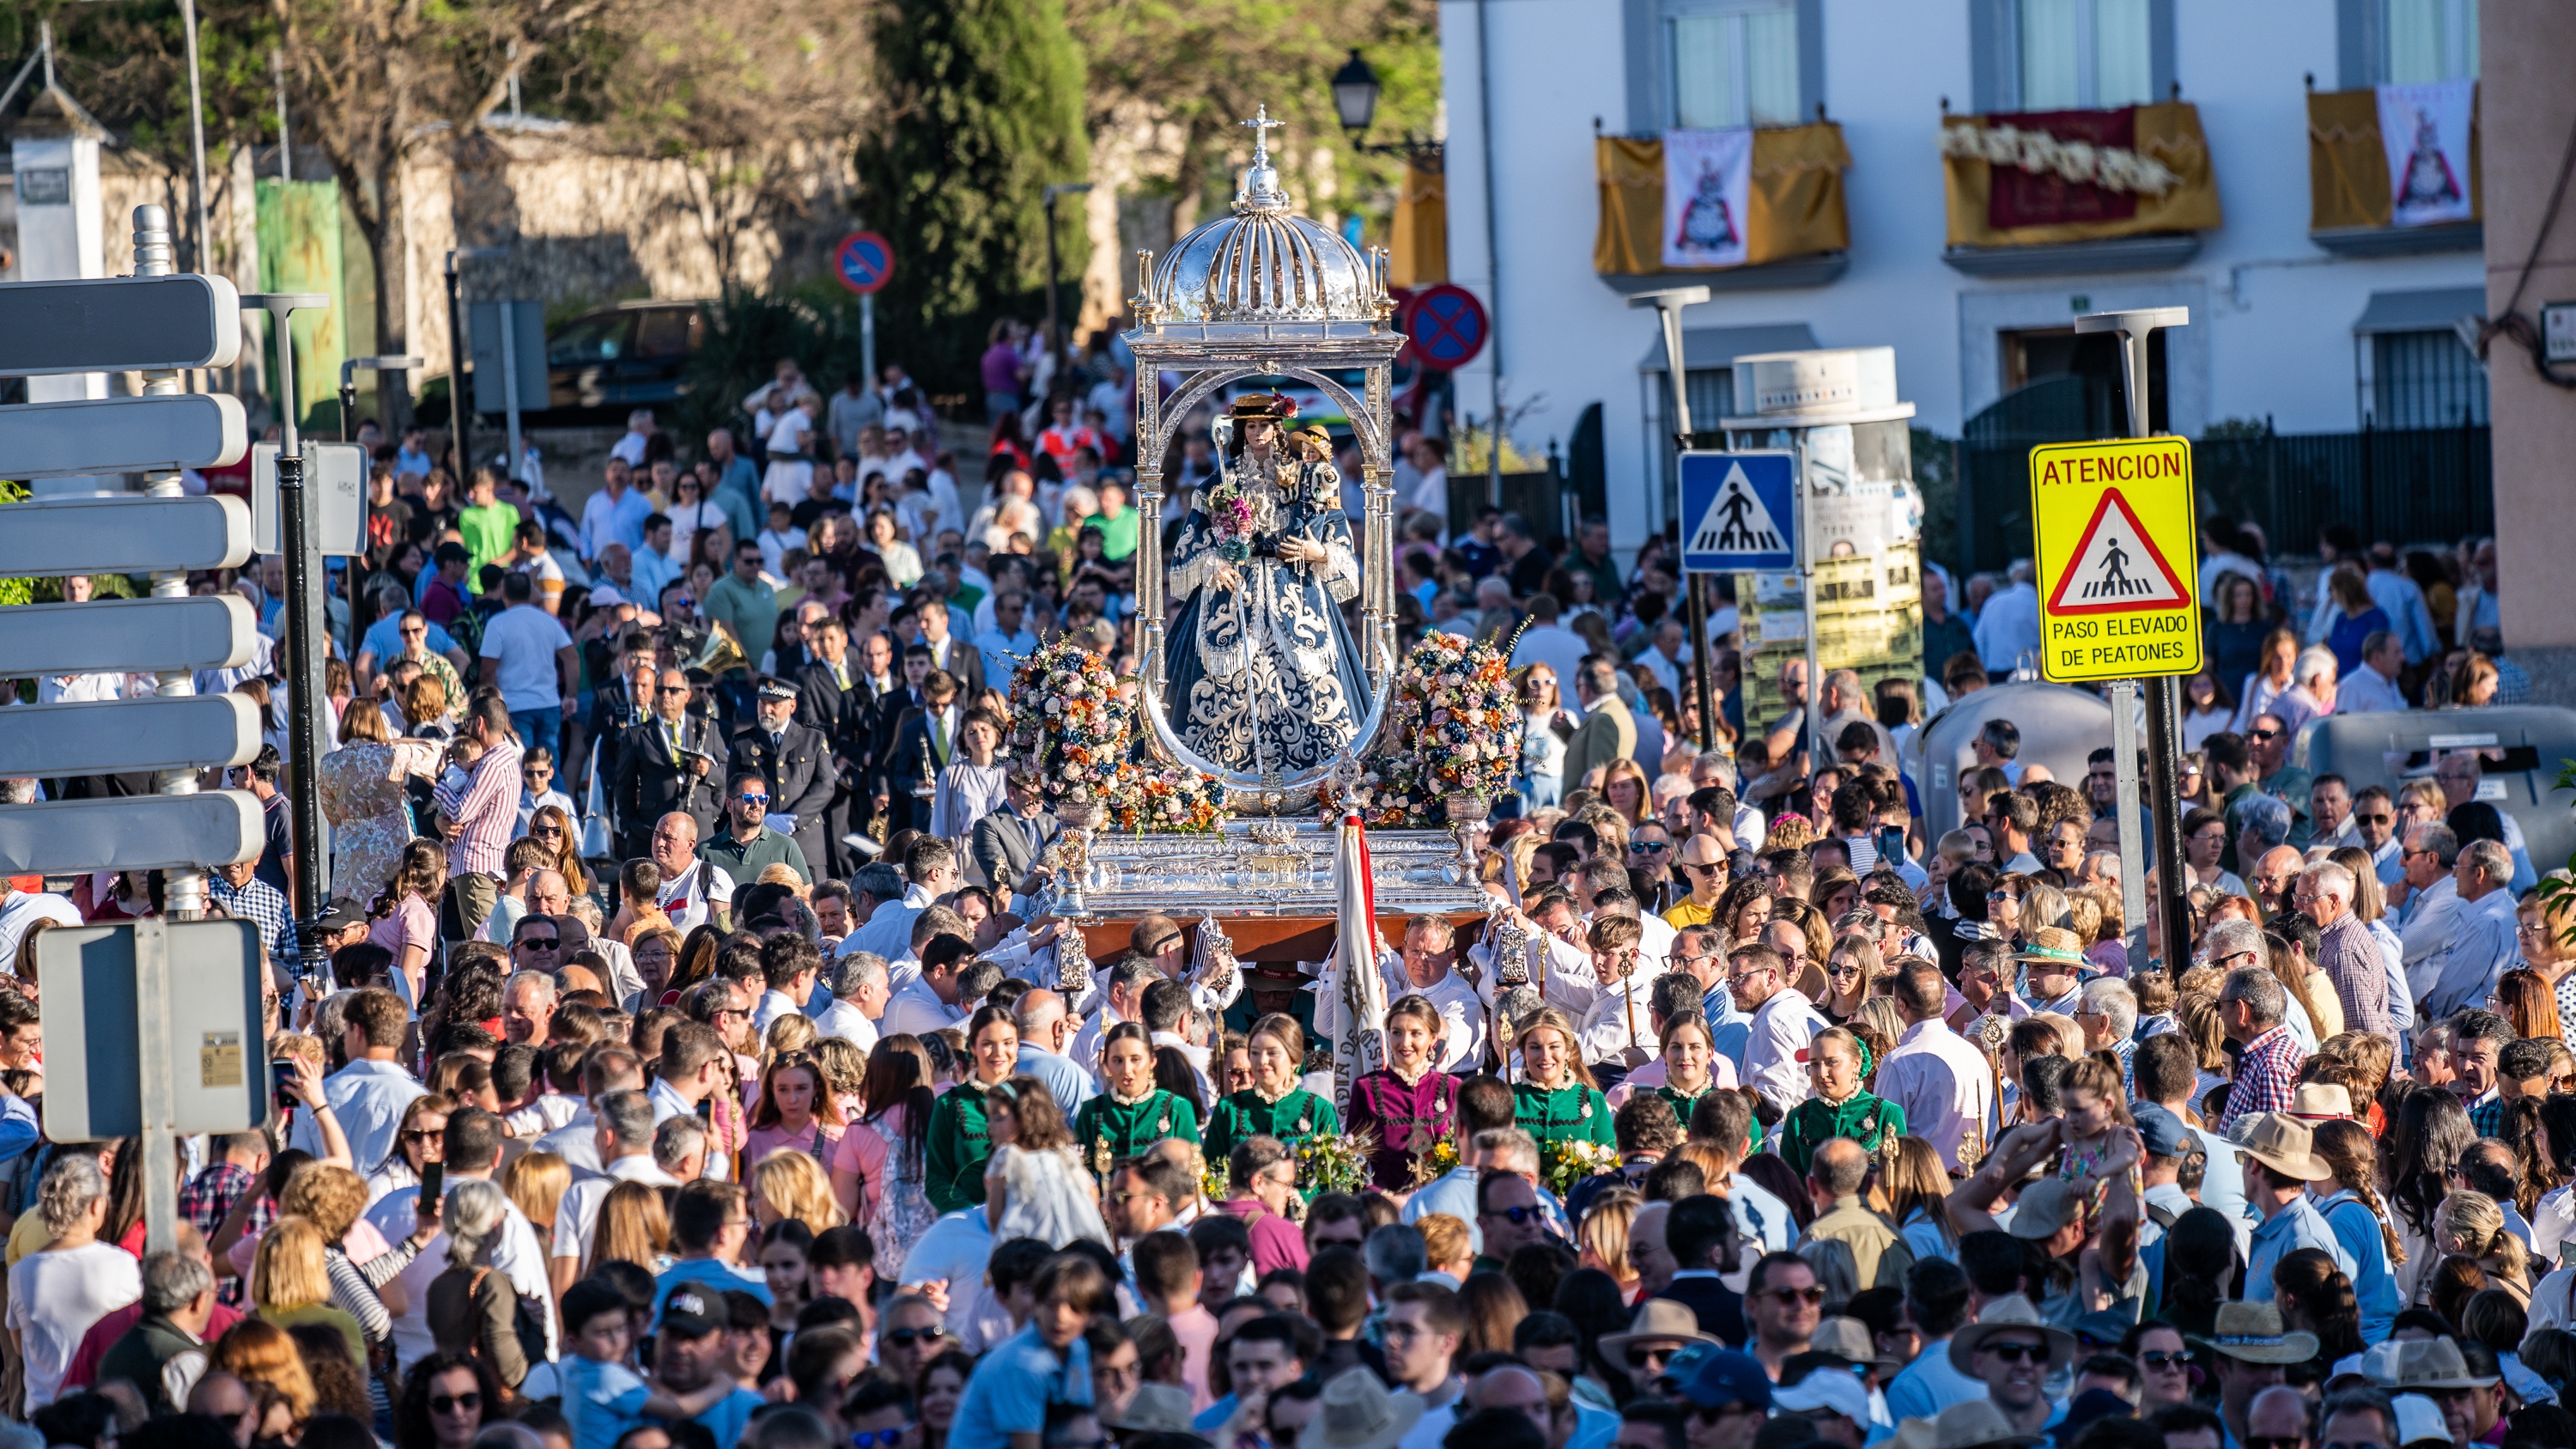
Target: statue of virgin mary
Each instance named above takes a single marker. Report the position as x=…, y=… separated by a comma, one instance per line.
x=1265, y=678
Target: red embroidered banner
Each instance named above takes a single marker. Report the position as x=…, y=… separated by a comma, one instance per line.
x=2016, y=197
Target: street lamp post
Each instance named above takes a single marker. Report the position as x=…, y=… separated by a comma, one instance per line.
x=1355, y=93
x=1055, y=330
x=460, y=413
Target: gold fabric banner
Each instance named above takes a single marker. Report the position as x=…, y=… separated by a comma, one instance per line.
x=1797, y=206
x=2169, y=133
x=2348, y=168
x=1418, y=241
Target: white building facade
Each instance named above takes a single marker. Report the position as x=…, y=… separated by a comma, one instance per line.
x=2316, y=328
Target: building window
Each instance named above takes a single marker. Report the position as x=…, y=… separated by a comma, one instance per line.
x=2428, y=40
x=2084, y=54
x=2423, y=380
x=1734, y=63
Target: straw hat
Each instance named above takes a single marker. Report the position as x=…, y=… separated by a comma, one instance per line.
x=2321, y=1102
x=1355, y=1411
x=2421, y=1363
x=2251, y=1333
x=1848, y=1339
x=2053, y=946
x=1155, y=1409
x=2285, y=1145
x=2011, y=1311
x=1656, y=1318
x=1969, y=1424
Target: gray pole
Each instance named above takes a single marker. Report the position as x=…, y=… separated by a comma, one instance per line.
x=197, y=136
x=184, y=889
x=1819, y=754
x=2164, y=694
x=868, y=336
x=510, y=382
x=1493, y=254
x=285, y=141
x=1668, y=305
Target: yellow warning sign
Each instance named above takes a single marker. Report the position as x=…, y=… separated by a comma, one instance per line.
x=2118, y=549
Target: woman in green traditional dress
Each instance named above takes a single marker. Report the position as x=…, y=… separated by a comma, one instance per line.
x=1274, y=1105
x=1836, y=1061
x=1555, y=1100
x=959, y=1140
x=1134, y=1114
x=1689, y=1050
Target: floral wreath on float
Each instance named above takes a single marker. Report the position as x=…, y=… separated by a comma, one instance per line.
x=1072, y=732
x=1455, y=727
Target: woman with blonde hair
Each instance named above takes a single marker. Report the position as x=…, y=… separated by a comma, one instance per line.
x=1540, y=776
x=2471, y=1225
x=550, y=827
x=264, y=1357
x=1625, y=788
x=1603, y=1236
x=365, y=1269
x=634, y=1227
x=291, y=1282
x=789, y=1185
x=1917, y=1186
x=1556, y=1100
x=536, y=1184
x=473, y=1308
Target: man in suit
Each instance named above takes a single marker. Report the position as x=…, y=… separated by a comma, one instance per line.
x=948, y=651
x=1695, y=1230
x=891, y=709
x=1006, y=843
x=1608, y=731
x=795, y=761
x=623, y=702
x=924, y=740
x=668, y=763
x=832, y=697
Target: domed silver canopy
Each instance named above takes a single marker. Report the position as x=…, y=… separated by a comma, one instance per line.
x=1263, y=264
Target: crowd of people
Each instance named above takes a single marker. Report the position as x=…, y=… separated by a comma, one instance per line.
x=694, y=1061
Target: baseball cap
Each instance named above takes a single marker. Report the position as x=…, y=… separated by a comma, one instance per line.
x=1729, y=1376
x=2165, y=1134
x=2043, y=1208
x=1834, y=1391
x=340, y=915
x=689, y=1313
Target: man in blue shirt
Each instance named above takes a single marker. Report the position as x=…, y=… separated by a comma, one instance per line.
x=1936, y=1299
x=2280, y=1159
x=688, y=1354
x=709, y=1221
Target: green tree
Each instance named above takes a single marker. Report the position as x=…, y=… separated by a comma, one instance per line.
x=983, y=109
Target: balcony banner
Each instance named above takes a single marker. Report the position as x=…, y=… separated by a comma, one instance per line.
x=1708, y=186
x=2424, y=132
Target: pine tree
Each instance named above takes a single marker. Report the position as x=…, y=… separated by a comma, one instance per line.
x=984, y=107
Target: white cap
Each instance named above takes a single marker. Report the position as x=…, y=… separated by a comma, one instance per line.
x=1826, y=1388
x=2419, y=1418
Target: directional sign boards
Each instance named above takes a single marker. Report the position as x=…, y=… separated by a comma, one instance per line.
x=335, y=478
x=2117, y=537
x=216, y=1050
x=864, y=261
x=122, y=435
x=1741, y=510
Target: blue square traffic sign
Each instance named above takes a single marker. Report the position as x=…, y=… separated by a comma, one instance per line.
x=1739, y=512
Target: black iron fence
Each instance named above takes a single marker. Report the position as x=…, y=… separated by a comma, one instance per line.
x=2407, y=484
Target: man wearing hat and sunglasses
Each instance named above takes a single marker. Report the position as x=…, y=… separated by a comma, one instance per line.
x=2251, y=1353
x=2013, y=1351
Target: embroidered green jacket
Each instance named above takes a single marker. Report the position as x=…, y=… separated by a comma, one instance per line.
x=1292, y=1119
x=1107, y=1129
x=1573, y=1113
x=1865, y=1119
x=959, y=1147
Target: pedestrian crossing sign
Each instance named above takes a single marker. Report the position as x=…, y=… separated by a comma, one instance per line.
x=2116, y=533
x=1740, y=510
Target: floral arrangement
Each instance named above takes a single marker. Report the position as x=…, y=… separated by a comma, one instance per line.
x=1212, y=1176
x=1456, y=730
x=1229, y=513
x=1073, y=731
x=1570, y=1161
x=1431, y=1164
x=1338, y=1163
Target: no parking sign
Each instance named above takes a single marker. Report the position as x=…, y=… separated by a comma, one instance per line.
x=864, y=262
x=1448, y=327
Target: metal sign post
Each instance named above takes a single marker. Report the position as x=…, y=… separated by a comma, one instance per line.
x=1668, y=305
x=349, y=371
x=865, y=262
x=2124, y=801
x=2164, y=693
x=305, y=651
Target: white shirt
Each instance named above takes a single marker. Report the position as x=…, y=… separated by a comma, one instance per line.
x=1944, y=1084
x=771, y=1006
x=1560, y=649
x=25, y=908
x=888, y=932
x=577, y=1215
x=55, y=1298
x=1460, y=1007
x=368, y=1097
x=2006, y=627
x=916, y=1009
x=524, y=638
x=577, y=1143
x=515, y=1254
x=687, y=896
x=630, y=448
x=1619, y=1019
x=2365, y=691
x=1775, y=1051
x=845, y=1021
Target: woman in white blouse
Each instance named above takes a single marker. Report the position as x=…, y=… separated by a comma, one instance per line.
x=972, y=785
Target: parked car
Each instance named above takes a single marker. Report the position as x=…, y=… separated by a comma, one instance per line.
x=634, y=354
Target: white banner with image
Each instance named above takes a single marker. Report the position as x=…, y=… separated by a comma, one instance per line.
x=1708, y=184
x=2424, y=128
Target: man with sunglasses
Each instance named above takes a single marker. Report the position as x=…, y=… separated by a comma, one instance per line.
x=2269, y=741
x=2013, y=1351
x=1783, y=1302
x=688, y=1354
x=2374, y=829
x=1701, y=866
x=665, y=765
x=1729, y=1400
x=747, y=846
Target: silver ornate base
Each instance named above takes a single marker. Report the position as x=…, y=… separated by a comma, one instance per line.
x=1271, y=868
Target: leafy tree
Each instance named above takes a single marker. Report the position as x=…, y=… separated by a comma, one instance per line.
x=983, y=108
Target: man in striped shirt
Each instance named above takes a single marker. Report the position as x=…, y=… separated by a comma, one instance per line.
x=479, y=810
x=2251, y=1006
